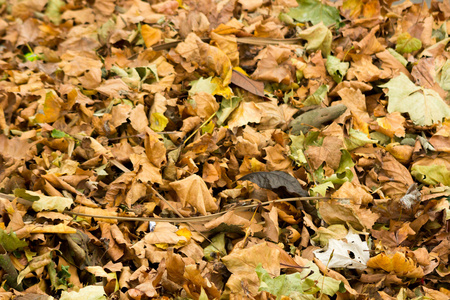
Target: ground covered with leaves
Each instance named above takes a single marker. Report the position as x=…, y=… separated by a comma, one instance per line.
x=201, y=149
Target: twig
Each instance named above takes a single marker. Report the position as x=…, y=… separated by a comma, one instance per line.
x=175, y=220
x=201, y=126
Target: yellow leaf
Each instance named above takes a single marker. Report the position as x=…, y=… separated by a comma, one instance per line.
x=150, y=35
x=52, y=108
x=184, y=232
x=224, y=91
x=392, y=124
x=158, y=122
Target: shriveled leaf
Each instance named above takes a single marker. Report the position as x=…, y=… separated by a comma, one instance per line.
x=275, y=180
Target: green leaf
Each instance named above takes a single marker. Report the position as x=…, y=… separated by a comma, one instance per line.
x=283, y=285
x=315, y=12
x=202, y=85
x=129, y=75
x=158, y=121
x=322, y=188
x=346, y=162
x=300, y=285
x=407, y=44
x=57, y=134
x=105, y=30
x=319, y=37
x=297, y=147
x=327, y=285
x=217, y=247
x=336, y=68
x=424, y=106
x=208, y=128
x=357, y=139
x=203, y=295
x=431, y=174
x=53, y=10
x=444, y=76
x=398, y=56
x=45, y=202
x=317, y=97
x=31, y=56
x=227, y=106
x=10, y=242
x=23, y=193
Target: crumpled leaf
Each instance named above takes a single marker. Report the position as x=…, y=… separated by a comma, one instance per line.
x=217, y=61
x=36, y=263
x=424, y=106
x=276, y=179
x=397, y=263
x=52, y=108
x=315, y=12
x=193, y=190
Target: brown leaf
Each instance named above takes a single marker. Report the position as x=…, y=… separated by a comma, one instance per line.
x=193, y=190
x=242, y=81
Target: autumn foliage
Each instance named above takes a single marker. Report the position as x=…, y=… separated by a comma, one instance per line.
x=233, y=149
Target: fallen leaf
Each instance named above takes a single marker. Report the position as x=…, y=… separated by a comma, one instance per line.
x=193, y=190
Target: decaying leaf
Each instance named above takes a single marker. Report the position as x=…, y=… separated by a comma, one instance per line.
x=276, y=179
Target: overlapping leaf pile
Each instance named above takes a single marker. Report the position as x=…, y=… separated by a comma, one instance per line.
x=155, y=109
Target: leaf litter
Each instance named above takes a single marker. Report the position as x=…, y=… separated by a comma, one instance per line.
x=152, y=149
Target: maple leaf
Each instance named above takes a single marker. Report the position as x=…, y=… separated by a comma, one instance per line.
x=424, y=106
